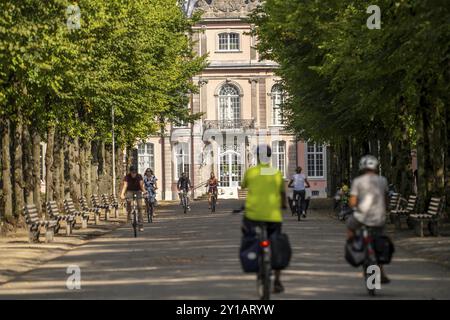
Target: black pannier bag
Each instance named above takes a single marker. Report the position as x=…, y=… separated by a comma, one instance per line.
x=355, y=252
x=281, y=251
x=384, y=249
x=249, y=253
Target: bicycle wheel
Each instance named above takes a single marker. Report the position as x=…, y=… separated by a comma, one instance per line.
x=371, y=291
x=213, y=204
x=184, y=205
x=135, y=224
x=263, y=281
x=150, y=212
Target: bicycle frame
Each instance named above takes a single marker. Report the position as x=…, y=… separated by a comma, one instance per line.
x=134, y=210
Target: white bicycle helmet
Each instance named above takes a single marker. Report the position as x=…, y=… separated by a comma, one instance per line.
x=368, y=162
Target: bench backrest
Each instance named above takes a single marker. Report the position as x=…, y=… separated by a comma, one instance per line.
x=113, y=199
x=95, y=200
x=83, y=203
x=69, y=207
x=412, y=203
x=52, y=209
x=394, y=201
x=435, y=207
x=31, y=214
x=105, y=200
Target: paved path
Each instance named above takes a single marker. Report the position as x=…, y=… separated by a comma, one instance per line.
x=195, y=256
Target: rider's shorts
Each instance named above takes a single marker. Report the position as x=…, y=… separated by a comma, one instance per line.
x=354, y=225
x=212, y=190
x=248, y=227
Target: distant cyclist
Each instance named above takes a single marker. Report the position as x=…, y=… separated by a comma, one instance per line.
x=150, y=183
x=300, y=184
x=266, y=196
x=183, y=186
x=211, y=185
x=368, y=196
x=133, y=184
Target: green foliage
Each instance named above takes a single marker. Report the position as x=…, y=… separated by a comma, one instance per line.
x=344, y=79
x=133, y=55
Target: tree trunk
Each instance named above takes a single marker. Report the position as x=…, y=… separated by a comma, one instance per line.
x=74, y=169
x=28, y=165
x=6, y=172
x=18, y=170
x=94, y=167
x=57, y=166
x=36, y=164
x=49, y=188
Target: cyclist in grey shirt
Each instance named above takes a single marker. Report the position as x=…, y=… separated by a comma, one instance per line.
x=368, y=196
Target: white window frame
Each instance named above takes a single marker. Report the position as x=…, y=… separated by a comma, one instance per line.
x=229, y=104
x=228, y=42
x=146, y=156
x=279, y=156
x=276, y=100
x=315, y=158
x=182, y=154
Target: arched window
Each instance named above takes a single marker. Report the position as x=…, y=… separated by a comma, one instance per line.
x=229, y=41
x=146, y=157
x=181, y=159
x=279, y=156
x=277, y=100
x=229, y=103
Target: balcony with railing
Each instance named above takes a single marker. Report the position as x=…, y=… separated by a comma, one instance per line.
x=233, y=124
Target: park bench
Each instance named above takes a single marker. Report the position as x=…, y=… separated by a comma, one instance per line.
x=114, y=202
x=69, y=209
x=106, y=202
x=394, y=203
x=405, y=209
x=54, y=213
x=97, y=203
x=85, y=208
x=34, y=224
x=432, y=217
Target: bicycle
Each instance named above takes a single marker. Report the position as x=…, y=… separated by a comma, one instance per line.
x=264, y=260
x=150, y=205
x=370, y=256
x=134, y=215
x=213, y=202
x=184, y=201
x=298, y=206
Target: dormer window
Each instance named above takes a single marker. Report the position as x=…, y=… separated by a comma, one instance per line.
x=229, y=41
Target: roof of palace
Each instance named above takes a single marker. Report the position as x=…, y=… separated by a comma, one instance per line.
x=221, y=9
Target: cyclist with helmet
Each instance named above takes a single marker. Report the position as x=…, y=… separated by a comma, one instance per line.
x=368, y=197
x=266, y=197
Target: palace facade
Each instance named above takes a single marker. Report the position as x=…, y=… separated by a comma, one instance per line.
x=240, y=99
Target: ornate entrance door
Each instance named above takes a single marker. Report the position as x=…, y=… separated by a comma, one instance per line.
x=230, y=167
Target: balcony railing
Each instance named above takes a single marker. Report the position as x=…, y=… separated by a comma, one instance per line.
x=229, y=124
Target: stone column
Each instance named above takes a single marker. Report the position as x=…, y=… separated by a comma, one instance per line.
x=254, y=103
x=262, y=103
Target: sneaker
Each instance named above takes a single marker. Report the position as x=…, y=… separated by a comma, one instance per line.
x=141, y=229
x=304, y=215
x=189, y=208
x=277, y=287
